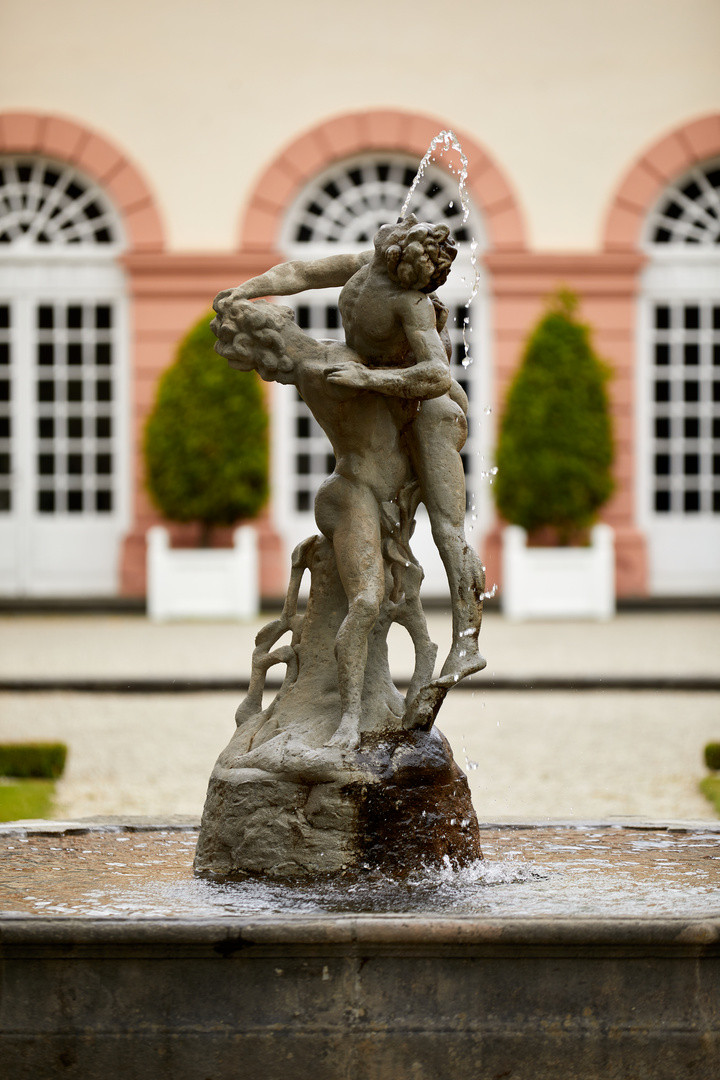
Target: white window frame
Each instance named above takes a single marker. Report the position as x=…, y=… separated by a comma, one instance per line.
x=63, y=273
x=683, y=548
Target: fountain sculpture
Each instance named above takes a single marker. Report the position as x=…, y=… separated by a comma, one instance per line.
x=340, y=772
x=601, y=960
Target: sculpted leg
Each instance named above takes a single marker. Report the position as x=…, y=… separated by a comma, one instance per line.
x=437, y=435
x=348, y=515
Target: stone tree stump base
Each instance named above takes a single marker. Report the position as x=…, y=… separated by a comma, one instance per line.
x=396, y=805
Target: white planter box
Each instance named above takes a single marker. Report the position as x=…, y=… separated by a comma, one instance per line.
x=558, y=583
x=202, y=583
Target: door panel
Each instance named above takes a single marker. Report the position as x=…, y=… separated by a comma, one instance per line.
x=63, y=435
x=680, y=441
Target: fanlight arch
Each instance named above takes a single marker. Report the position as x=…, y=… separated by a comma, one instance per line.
x=688, y=212
x=48, y=205
x=348, y=202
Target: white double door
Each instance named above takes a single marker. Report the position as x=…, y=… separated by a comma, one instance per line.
x=679, y=423
x=63, y=427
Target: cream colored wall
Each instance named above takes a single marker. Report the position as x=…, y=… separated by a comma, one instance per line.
x=564, y=93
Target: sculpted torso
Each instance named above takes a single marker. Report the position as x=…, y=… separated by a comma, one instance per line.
x=375, y=313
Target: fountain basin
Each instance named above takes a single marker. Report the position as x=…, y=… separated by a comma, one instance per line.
x=573, y=950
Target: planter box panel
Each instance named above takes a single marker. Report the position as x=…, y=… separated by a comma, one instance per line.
x=558, y=583
x=203, y=583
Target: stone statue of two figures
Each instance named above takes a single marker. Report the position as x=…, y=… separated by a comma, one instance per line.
x=340, y=772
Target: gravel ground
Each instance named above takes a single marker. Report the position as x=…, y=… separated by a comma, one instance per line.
x=559, y=754
x=527, y=755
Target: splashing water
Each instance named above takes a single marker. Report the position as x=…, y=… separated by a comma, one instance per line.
x=470, y=765
x=449, y=141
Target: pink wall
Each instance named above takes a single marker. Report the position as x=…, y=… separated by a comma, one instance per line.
x=169, y=291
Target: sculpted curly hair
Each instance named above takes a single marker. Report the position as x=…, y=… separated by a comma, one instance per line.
x=256, y=329
x=414, y=249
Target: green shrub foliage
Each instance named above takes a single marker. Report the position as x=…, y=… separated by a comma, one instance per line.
x=712, y=755
x=33, y=759
x=206, y=440
x=555, y=448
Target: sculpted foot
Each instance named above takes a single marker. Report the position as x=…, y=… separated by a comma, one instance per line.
x=463, y=659
x=347, y=736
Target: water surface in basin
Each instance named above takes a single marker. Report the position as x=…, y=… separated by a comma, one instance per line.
x=564, y=870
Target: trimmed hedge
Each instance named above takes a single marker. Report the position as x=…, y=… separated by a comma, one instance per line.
x=555, y=447
x=33, y=759
x=712, y=755
x=206, y=440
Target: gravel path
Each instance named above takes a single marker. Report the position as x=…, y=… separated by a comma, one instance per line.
x=559, y=754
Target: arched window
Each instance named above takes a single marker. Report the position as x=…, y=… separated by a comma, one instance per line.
x=349, y=203
x=341, y=210
x=680, y=393
x=62, y=389
x=689, y=211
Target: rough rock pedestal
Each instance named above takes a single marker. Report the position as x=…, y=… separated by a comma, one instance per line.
x=285, y=803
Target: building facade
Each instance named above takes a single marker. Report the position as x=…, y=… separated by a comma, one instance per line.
x=102, y=271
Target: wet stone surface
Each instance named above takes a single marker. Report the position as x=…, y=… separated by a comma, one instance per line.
x=559, y=870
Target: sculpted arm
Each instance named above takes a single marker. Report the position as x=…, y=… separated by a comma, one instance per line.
x=289, y=278
x=428, y=378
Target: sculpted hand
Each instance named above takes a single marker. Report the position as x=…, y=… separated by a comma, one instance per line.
x=226, y=297
x=348, y=373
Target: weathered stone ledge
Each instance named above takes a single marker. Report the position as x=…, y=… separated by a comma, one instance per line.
x=424, y=934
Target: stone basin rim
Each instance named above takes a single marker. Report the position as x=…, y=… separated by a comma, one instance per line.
x=227, y=935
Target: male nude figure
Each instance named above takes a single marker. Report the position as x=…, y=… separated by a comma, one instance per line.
x=394, y=324
x=372, y=467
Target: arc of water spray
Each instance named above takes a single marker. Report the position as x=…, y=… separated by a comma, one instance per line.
x=448, y=140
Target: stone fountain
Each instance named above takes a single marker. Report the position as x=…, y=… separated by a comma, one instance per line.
x=342, y=921
x=341, y=772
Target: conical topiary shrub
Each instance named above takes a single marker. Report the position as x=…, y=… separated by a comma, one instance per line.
x=206, y=440
x=555, y=448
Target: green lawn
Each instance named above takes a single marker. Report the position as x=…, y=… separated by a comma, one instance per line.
x=710, y=788
x=25, y=799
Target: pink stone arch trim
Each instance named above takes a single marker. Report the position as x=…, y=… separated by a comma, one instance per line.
x=96, y=157
x=356, y=133
x=662, y=162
